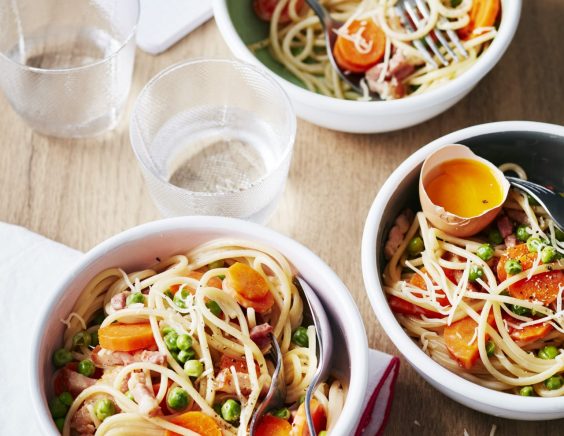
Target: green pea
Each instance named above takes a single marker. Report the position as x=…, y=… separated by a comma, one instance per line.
x=455, y=3
x=168, y=293
x=179, y=301
x=526, y=391
x=81, y=339
x=217, y=264
x=559, y=234
x=170, y=341
x=177, y=398
x=184, y=342
x=231, y=410
x=548, y=254
x=520, y=310
x=94, y=341
x=104, y=408
x=415, y=246
x=283, y=413
x=534, y=244
x=494, y=236
x=221, y=276
x=299, y=337
x=86, y=367
x=513, y=267
x=98, y=318
x=485, y=252
x=522, y=233
x=193, y=368
x=58, y=408
x=185, y=355
x=66, y=398
x=476, y=273
x=214, y=307
x=554, y=382
x=166, y=330
x=60, y=423
x=61, y=357
x=490, y=348
x=135, y=298
x=548, y=352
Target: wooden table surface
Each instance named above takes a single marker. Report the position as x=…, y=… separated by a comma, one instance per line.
x=80, y=192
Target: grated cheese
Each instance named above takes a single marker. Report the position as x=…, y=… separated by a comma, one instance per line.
x=72, y=315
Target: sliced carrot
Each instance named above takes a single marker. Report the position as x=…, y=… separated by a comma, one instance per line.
x=126, y=337
x=483, y=14
x=346, y=53
x=530, y=333
x=240, y=365
x=542, y=287
x=273, y=426
x=299, y=426
x=419, y=282
x=214, y=282
x=250, y=288
x=458, y=340
x=198, y=422
x=399, y=305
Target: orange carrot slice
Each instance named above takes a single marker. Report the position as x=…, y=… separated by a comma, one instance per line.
x=273, y=426
x=529, y=334
x=483, y=14
x=398, y=305
x=347, y=55
x=126, y=337
x=299, y=426
x=264, y=9
x=458, y=340
x=250, y=288
x=198, y=422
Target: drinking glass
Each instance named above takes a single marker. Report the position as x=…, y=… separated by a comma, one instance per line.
x=66, y=65
x=214, y=137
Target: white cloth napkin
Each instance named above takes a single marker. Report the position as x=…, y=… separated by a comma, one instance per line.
x=30, y=267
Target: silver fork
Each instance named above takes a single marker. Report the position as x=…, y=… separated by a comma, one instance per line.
x=418, y=13
x=276, y=395
x=551, y=201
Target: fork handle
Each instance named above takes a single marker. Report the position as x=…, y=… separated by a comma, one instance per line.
x=321, y=12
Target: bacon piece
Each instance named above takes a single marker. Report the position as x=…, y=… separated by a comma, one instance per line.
x=504, y=226
x=81, y=422
x=510, y=240
x=392, y=87
x=106, y=358
x=144, y=397
x=118, y=301
x=225, y=383
x=518, y=216
x=67, y=380
x=397, y=232
x=260, y=334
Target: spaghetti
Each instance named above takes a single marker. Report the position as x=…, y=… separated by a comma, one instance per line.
x=182, y=347
x=296, y=40
x=489, y=311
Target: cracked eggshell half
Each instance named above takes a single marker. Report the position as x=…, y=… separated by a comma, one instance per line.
x=444, y=220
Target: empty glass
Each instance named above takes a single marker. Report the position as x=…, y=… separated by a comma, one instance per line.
x=66, y=65
x=214, y=137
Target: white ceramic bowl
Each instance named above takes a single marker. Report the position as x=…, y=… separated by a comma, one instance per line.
x=538, y=147
x=138, y=247
x=379, y=116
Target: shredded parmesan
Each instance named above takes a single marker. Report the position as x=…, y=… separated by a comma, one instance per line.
x=72, y=315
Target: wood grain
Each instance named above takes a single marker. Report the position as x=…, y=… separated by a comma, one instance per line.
x=80, y=192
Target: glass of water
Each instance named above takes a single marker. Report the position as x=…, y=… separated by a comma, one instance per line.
x=66, y=65
x=214, y=137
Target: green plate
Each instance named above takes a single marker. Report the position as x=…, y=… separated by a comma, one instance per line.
x=251, y=29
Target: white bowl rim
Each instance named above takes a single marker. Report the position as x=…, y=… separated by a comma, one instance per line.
x=357, y=341
x=416, y=357
x=511, y=12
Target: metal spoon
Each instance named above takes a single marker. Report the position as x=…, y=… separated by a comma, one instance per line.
x=276, y=395
x=551, y=201
x=318, y=316
x=330, y=26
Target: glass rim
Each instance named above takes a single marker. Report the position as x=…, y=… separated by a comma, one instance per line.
x=146, y=162
x=126, y=41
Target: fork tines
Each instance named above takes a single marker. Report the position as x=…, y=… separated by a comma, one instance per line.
x=418, y=13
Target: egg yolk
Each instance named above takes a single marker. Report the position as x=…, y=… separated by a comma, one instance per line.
x=464, y=187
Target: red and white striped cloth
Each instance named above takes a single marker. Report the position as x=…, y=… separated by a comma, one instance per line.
x=30, y=267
